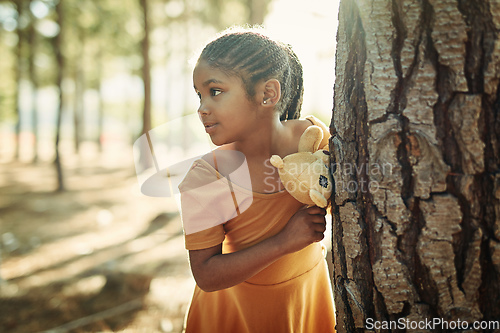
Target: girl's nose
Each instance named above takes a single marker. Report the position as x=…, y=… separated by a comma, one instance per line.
x=203, y=109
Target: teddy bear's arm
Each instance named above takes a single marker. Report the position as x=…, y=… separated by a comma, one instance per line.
x=276, y=161
x=318, y=198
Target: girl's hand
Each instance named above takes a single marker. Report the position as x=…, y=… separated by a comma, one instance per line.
x=305, y=227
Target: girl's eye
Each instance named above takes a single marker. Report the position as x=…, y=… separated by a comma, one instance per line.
x=198, y=94
x=215, y=92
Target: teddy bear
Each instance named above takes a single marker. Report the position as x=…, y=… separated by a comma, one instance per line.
x=305, y=174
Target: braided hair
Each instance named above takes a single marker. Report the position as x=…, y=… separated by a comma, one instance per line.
x=255, y=57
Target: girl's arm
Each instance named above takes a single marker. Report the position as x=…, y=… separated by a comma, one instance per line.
x=213, y=270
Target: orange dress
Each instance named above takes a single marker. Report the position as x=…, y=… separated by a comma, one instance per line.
x=291, y=295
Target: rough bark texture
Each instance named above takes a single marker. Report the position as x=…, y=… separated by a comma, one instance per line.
x=416, y=162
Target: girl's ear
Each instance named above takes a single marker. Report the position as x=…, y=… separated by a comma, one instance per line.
x=271, y=92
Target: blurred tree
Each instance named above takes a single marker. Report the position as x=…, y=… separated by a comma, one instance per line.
x=101, y=38
x=222, y=13
x=416, y=135
x=20, y=7
x=145, y=159
x=109, y=36
x=8, y=62
x=85, y=33
x=79, y=87
x=257, y=10
x=146, y=68
x=78, y=17
x=99, y=35
x=33, y=78
x=31, y=68
x=57, y=44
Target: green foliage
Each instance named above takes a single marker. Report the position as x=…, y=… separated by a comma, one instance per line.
x=102, y=37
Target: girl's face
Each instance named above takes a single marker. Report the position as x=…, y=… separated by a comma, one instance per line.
x=225, y=109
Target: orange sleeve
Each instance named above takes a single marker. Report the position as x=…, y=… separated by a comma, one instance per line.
x=206, y=204
x=205, y=238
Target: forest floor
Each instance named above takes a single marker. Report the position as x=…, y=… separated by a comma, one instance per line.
x=98, y=257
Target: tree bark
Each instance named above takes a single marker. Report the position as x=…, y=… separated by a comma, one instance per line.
x=415, y=141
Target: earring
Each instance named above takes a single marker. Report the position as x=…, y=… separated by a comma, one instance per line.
x=265, y=102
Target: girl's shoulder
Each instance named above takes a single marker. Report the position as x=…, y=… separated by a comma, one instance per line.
x=297, y=126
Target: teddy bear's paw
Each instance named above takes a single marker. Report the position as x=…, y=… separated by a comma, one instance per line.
x=276, y=161
x=318, y=198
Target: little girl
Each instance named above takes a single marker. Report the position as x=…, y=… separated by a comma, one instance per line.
x=261, y=268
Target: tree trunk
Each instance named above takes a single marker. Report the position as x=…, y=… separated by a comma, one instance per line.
x=145, y=154
x=257, y=10
x=79, y=81
x=59, y=78
x=18, y=76
x=415, y=137
x=33, y=47
x=146, y=71
x=100, y=107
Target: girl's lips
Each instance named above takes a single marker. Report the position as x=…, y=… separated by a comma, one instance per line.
x=209, y=128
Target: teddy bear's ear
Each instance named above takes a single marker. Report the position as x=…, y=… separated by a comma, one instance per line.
x=310, y=139
x=276, y=161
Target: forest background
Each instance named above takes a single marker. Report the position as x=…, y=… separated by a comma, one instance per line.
x=81, y=248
